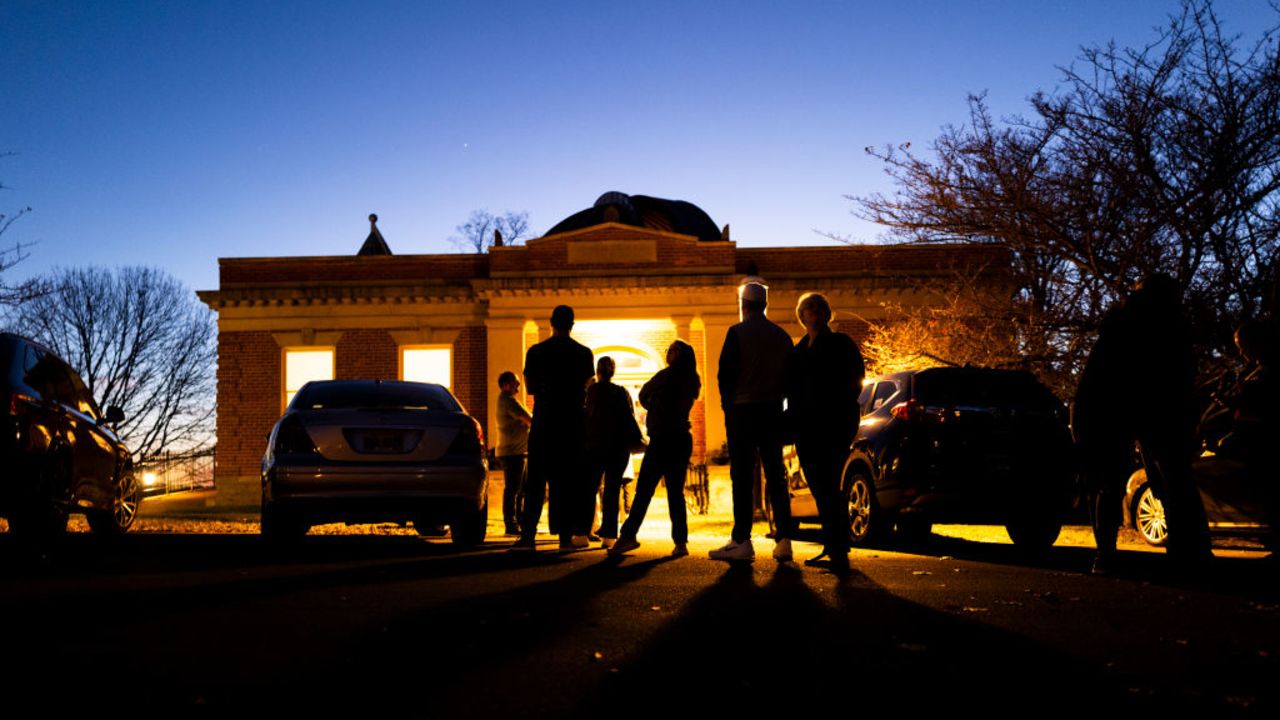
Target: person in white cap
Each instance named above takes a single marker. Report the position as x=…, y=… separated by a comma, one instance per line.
x=752, y=366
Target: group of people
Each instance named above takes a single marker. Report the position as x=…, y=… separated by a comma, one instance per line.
x=582, y=432
x=1137, y=391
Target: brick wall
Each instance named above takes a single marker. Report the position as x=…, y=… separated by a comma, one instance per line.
x=886, y=260
x=698, y=416
x=367, y=355
x=470, y=367
x=248, y=400
x=346, y=269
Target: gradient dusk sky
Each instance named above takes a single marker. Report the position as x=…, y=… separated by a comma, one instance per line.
x=174, y=133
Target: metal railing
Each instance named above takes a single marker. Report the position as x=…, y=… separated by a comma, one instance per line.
x=170, y=472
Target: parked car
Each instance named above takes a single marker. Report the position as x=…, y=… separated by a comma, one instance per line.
x=60, y=452
x=1232, y=503
x=358, y=451
x=956, y=445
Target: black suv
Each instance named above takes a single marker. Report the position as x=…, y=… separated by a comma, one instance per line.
x=960, y=445
x=59, y=451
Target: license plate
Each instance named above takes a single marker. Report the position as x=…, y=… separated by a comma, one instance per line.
x=383, y=442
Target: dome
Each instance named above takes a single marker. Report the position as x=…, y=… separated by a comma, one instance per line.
x=676, y=216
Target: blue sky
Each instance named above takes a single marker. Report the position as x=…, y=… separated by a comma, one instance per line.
x=174, y=133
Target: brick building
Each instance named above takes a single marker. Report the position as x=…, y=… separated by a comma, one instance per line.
x=638, y=271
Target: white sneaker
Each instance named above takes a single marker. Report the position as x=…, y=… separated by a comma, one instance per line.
x=734, y=550
x=782, y=550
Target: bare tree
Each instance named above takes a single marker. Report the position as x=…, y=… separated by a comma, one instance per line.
x=140, y=340
x=1159, y=158
x=477, y=233
x=12, y=255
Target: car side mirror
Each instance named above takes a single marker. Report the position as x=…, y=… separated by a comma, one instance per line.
x=115, y=415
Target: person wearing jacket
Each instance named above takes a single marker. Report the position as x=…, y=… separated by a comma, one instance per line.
x=668, y=396
x=824, y=376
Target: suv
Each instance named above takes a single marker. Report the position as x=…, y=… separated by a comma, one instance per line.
x=60, y=451
x=960, y=444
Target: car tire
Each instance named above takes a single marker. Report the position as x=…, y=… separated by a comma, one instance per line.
x=1034, y=535
x=40, y=519
x=125, y=501
x=1149, y=518
x=913, y=530
x=278, y=525
x=866, y=522
x=471, y=529
x=430, y=527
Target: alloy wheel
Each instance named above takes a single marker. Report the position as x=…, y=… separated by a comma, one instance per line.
x=1149, y=518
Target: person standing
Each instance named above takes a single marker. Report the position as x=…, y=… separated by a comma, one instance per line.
x=824, y=376
x=668, y=396
x=611, y=424
x=557, y=370
x=513, y=445
x=1138, y=385
x=752, y=363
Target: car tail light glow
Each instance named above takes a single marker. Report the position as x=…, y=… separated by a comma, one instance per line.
x=911, y=410
x=292, y=437
x=469, y=441
x=18, y=403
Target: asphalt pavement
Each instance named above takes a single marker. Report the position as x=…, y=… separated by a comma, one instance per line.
x=195, y=611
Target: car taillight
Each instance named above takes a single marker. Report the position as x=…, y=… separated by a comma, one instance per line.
x=18, y=403
x=292, y=437
x=911, y=410
x=469, y=441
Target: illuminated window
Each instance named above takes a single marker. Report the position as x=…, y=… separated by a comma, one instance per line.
x=302, y=365
x=427, y=364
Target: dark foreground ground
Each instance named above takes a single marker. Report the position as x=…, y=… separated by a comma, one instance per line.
x=173, y=619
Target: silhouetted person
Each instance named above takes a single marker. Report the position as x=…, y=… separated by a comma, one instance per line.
x=1138, y=385
x=1254, y=403
x=668, y=396
x=557, y=370
x=752, y=363
x=824, y=378
x=512, y=449
x=611, y=426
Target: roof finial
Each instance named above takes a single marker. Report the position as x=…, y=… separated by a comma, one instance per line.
x=374, y=244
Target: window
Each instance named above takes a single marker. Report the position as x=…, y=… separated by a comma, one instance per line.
x=302, y=365
x=427, y=364
x=884, y=393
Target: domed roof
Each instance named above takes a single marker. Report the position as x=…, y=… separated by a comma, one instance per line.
x=676, y=216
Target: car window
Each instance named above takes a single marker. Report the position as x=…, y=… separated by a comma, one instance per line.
x=371, y=395
x=884, y=391
x=83, y=398
x=981, y=388
x=864, y=398
x=50, y=377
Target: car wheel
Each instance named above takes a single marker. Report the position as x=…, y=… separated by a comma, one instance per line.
x=470, y=529
x=865, y=522
x=125, y=502
x=1149, y=519
x=278, y=525
x=41, y=518
x=1034, y=535
x=429, y=527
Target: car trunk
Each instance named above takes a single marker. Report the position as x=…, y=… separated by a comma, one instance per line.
x=382, y=435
